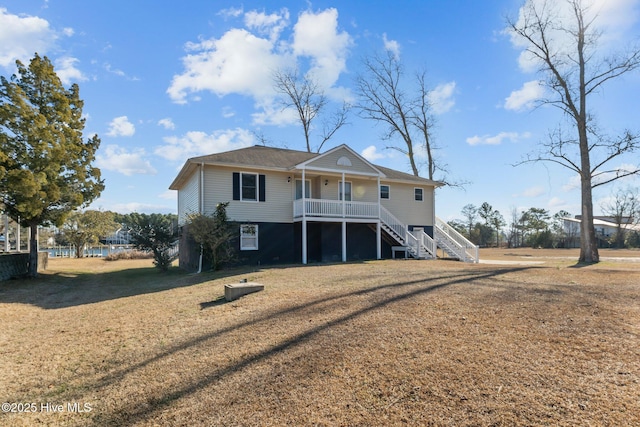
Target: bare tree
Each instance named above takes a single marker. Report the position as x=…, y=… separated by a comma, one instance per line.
x=384, y=99
x=306, y=97
x=573, y=71
x=625, y=210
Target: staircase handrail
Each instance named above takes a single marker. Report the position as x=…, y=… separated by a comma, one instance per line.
x=429, y=244
x=394, y=223
x=471, y=251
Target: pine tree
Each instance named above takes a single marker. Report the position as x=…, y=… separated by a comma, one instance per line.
x=46, y=171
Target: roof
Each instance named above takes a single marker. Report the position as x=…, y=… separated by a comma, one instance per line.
x=263, y=157
x=258, y=155
x=604, y=223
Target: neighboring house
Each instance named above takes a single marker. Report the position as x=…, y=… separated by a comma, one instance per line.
x=347, y=208
x=119, y=237
x=605, y=227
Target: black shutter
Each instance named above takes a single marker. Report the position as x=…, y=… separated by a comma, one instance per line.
x=236, y=186
x=262, y=188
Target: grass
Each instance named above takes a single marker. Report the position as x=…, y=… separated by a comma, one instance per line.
x=373, y=343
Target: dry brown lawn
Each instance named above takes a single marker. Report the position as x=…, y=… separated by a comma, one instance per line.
x=376, y=343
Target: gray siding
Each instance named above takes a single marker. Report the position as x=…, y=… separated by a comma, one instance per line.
x=188, y=198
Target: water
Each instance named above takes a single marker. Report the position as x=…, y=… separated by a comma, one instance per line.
x=98, y=251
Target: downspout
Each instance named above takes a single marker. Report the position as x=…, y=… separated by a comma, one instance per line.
x=201, y=209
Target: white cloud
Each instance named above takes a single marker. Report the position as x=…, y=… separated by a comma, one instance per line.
x=21, y=36
x=533, y=192
x=371, y=153
x=328, y=57
x=231, y=12
x=497, y=139
x=574, y=182
x=271, y=113
x=242, y=61
x=271, y=25
x=556, y=203
x=67, y=71
x=238, y=62
x=197, y=143
x=118, y=159
x=391, y=46
x=126, y=208
x=121, y=126
x=168, y=195
x=167, y=123
x=526, y=97
x=228, y=112
x=441, y=98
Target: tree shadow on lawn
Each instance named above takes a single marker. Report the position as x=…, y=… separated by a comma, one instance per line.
x=67, y=289
x=133, y=411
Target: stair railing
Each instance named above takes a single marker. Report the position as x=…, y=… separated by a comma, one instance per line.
x=464, y=249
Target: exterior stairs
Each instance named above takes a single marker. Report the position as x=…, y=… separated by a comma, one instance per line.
x=454, y=244
x=420, y=245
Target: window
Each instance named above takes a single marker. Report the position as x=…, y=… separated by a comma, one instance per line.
x=250, y=187
x=347, y=191
x=249, y=237
x=307, y=189
x=384, y=192
x=418, y=194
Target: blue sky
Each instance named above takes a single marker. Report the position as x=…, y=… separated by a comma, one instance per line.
x=164, y=81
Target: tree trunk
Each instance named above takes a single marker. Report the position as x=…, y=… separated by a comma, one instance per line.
x=588, y=243
x=33, y=250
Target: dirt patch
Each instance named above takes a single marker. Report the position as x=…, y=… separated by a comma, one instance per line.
x=379, y=343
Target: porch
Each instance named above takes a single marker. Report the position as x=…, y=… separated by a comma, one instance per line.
x=417, y=242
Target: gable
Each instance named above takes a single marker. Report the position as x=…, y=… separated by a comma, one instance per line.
x=341, y=159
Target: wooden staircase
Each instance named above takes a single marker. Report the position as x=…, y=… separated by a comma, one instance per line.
x=420, y=245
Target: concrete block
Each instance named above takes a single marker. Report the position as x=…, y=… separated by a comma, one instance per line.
x=236, y=290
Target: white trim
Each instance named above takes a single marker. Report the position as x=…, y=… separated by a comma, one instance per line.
x=244, y=245
x=257, y=199
x=338, y=171
x=388, y=191
x=421, y=193
x=339, y=147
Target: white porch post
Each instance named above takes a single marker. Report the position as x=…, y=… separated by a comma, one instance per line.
x=304, y=220
x=378, y=241
x=344, y=240
x=344, y=197
x=7, y=246
x=18, y=236
x=378, y=233
x=344, y=223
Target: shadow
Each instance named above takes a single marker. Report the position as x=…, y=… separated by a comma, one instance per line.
x=56, y=290
x=583, y=264
x=379, y=297
x=214, y=303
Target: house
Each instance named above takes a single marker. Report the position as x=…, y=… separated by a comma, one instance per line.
x=605, y=228
x=347, y=208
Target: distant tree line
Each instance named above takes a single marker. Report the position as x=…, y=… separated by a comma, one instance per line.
x=537, y=227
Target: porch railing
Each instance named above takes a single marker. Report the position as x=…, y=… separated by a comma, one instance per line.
x=334, y=209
